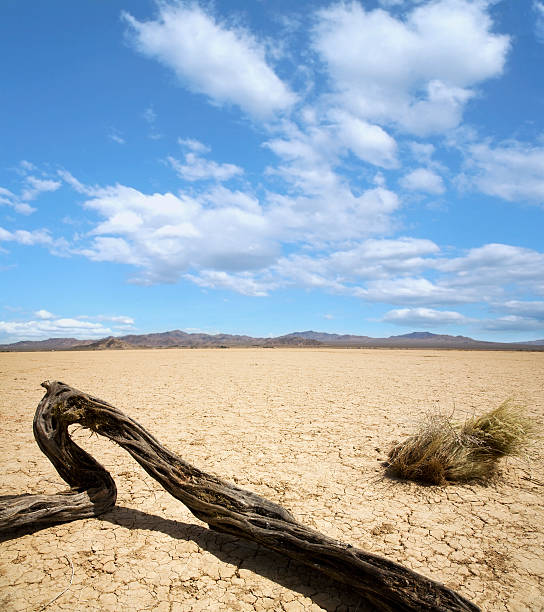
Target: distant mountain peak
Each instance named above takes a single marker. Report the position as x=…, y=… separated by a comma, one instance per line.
x=417, y=335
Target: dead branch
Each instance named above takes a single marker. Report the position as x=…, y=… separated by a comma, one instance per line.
x=225, y=507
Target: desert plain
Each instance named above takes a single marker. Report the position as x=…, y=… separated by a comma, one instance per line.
x=307, y=428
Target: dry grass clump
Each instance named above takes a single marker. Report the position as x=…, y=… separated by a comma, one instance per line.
x=442, y=451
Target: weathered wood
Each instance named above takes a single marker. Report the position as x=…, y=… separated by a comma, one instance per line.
x=225, y=507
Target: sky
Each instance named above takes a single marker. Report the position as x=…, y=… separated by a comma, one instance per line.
x=373, y=167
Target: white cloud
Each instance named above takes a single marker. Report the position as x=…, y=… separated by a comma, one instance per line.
x=27, y=166
x=47, y=325
x=424, y=316
x=26, y=237
x=533, y=309
x=483, y=274
x=369, y=142
x=513, y=323
x=538, y=8
x=422, y=151
x=321, y=204
x=71, y=180
x=416, y=290
x=8, y=198
x=40, y=237
x=116, y=137
x=496, y=265
x=226, y=64
x=112, y=249
x=124, y=320
x=513, y=171
x=333, y=214
x=423, y=179
x=240, y=283
x=230, y=239
x=33, y=187
x=121, y=321
x=438, y=318
x=193, y=145
x=46, y=328
x=44, y=314
x=36, y=186
x=417, y=72
x=346, y=271
x=382, y=258
x=197, y=168
x=167, y=235
x=6, y=193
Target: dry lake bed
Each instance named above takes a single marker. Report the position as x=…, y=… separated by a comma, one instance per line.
x=308, y=428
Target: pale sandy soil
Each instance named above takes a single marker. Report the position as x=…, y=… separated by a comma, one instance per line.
x=307, y=428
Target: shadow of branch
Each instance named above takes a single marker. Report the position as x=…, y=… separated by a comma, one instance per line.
x=325, y=592
x=329, y=594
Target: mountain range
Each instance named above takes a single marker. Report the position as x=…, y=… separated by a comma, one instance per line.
x=178, y=338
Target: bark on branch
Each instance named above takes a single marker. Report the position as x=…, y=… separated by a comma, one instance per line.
x=225, y=507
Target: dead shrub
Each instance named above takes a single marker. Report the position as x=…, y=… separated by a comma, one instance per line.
x=442, y=451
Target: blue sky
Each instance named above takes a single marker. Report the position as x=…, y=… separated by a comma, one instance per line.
x=263, y=167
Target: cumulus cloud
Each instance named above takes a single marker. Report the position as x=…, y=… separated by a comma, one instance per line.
x=46, y=325
x=39, y=237
x=496, y=265
x=422, y=151
x=346, y=271
x=429, y=317
x=227, y=64
x=46, y=328
x=424, y=316
x=222, y=238
x=423, y=179
x=416, y=72
x=166, y=235
x=513, y=171
x=197, y=168
x=43, y=314
x=368, y=142
x=416, y=290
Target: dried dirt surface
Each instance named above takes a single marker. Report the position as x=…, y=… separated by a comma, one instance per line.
x=307, y=428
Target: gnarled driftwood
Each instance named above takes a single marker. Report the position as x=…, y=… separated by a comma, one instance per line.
x=225, y=507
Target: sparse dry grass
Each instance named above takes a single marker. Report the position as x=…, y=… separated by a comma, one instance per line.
x=442, y=451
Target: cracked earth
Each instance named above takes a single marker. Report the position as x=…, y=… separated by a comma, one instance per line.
x=307, y=428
